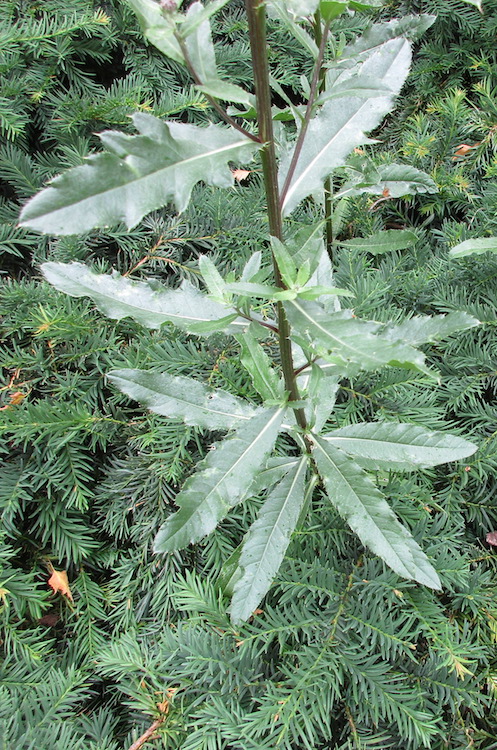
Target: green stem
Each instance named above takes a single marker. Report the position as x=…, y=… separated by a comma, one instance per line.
x=328, y=215
x=214, y=104
x=256, y=15
x=328, y=184
x=308, y=113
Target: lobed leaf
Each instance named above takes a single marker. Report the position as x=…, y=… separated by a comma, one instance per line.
x=342, y=123
x=422, y=329
x=222, y=480
x=136, y=175
x=183, y=398
x=399, y=447
x=389, y=181
x=343, y=340
x=267, y=540
x=148, y=304
x=368, y=514
x=409, y=27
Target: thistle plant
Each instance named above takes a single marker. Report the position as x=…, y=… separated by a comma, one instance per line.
x=304, y=152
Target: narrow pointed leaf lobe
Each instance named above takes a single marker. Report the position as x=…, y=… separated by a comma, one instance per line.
x=222, y=480
x=368, y=514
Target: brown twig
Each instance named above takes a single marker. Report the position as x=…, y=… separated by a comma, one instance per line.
x=147, y=735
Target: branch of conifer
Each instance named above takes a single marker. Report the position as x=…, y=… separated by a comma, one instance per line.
x=149, y=734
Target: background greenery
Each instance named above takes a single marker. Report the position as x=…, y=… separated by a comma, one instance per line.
x=344, y=655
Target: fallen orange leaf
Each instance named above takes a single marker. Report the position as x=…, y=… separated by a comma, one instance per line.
x=463, y=149
x=17, y=397
x=58, y=581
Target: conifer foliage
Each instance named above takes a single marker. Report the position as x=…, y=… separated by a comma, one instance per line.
x=234, y=498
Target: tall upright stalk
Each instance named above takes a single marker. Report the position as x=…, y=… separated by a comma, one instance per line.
x=256, y=15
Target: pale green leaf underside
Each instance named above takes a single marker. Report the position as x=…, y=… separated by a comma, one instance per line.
x=267, y=541
x=321, y=395
x=222, y=480
x=157, y=27
x=212, y=278
x=190, y=22
x=342, y=339
x=227, y=92
x=399, y=447
x=302, y=8
x=342, y=123
x=410, y=27
x=474, y=247
x=183, y=398
x=363, y=88
x=136, y=175
x=199, y=43
x=368, y=514
x=383, y=242
x=119, y=297
x=390, y=181
x=422, y=329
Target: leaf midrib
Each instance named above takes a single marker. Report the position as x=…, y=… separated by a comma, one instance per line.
x=357, y=353
x=303, y=462
x=358, y=499
x=215, y=488
x=108, y=297
x=298, y=179
x=137, y=180
x=188, y=403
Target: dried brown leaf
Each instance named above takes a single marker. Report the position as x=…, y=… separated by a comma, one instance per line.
x=59, y=581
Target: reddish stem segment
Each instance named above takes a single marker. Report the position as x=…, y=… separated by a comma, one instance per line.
x=256, y=15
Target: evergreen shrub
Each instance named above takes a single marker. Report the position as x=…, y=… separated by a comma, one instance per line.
x=344, y=654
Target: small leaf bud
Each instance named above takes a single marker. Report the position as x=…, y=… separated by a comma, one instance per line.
x=168, y=5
